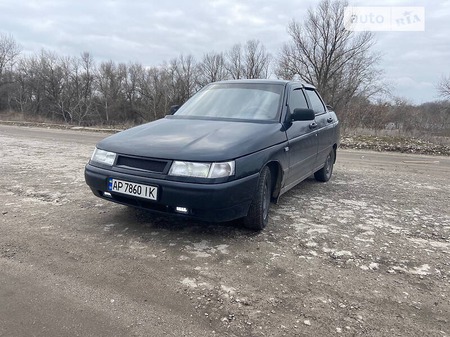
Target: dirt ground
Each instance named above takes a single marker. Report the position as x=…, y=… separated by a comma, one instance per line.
x=366, y=254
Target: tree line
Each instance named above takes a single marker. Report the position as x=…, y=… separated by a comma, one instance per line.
x=80, y=91
x=397, y=116
x=320, y=51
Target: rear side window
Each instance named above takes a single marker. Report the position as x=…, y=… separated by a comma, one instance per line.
x=316, y=102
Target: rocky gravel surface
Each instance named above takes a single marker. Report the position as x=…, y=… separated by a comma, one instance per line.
x=397, y=144
x=366, y=254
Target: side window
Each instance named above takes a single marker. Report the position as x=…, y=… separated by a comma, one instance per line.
x=297, y=100
x=316, y=102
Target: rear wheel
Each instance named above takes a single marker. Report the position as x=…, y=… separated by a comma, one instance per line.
x=324, y=174
x=258, y=214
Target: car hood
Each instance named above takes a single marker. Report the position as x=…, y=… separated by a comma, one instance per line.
x=195, y=139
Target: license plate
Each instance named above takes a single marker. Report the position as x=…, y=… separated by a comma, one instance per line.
x=137, y=190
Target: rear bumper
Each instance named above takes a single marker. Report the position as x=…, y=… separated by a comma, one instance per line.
x=210, y=202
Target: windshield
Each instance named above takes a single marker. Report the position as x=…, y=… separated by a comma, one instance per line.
x=256, y=101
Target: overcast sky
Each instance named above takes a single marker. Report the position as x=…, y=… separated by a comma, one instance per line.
x=151, y=32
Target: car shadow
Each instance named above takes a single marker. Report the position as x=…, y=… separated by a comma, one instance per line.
x=146, y=225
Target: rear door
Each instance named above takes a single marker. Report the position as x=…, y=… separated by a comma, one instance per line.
x=324, y=128
x=302, y=140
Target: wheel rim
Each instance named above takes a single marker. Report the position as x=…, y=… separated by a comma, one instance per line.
x=266, y=200
x=328, y=166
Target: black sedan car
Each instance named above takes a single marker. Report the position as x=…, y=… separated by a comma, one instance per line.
x=225, y=154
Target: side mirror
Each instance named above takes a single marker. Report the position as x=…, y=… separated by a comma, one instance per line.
x=173, y=109
x=329, y=107
x=303, y=115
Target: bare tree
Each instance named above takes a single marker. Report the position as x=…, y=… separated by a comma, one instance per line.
x=153, y=85
x=322, y=52
x=110, y=78
x=250, y=61
x=212, y=69
x=53, y=81
x=444, y=87
x=256, y=60
x=234, y=62
x=130, y=85
x=184, y=73
x=9, y=52
x=81, y=88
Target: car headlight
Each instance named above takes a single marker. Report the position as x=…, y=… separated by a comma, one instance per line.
x=202, y=170
x=103, y=157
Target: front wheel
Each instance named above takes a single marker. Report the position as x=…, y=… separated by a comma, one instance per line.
x=324, y=174
x=258, y=213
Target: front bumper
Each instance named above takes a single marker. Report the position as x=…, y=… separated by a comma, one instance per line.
x=211, y=202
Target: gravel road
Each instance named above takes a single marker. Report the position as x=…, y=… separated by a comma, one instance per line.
x=366, y=254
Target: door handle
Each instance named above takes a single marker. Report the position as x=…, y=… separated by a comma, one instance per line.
x=330, y=120
x=313, y=125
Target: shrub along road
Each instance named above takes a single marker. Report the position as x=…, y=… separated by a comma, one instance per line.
x=366, y=254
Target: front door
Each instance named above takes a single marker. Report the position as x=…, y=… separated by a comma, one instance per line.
x=302, y=139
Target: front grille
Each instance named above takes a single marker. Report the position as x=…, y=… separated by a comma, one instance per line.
x=152, y=165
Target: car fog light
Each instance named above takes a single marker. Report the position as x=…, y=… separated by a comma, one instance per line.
x=183, y=210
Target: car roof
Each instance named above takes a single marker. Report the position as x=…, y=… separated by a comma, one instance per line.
x=269, y=81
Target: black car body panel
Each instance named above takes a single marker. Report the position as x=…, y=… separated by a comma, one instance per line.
x=192, y=139
x=212, y=202
x=293, y=150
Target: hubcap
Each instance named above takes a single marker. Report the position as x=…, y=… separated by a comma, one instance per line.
x=328, y=165
x=266, y=200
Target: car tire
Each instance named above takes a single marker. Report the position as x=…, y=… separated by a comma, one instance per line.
x=258, y=213
x=324, y=174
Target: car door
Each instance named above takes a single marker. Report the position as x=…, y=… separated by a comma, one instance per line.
x=302, y=141
x=324, y=126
